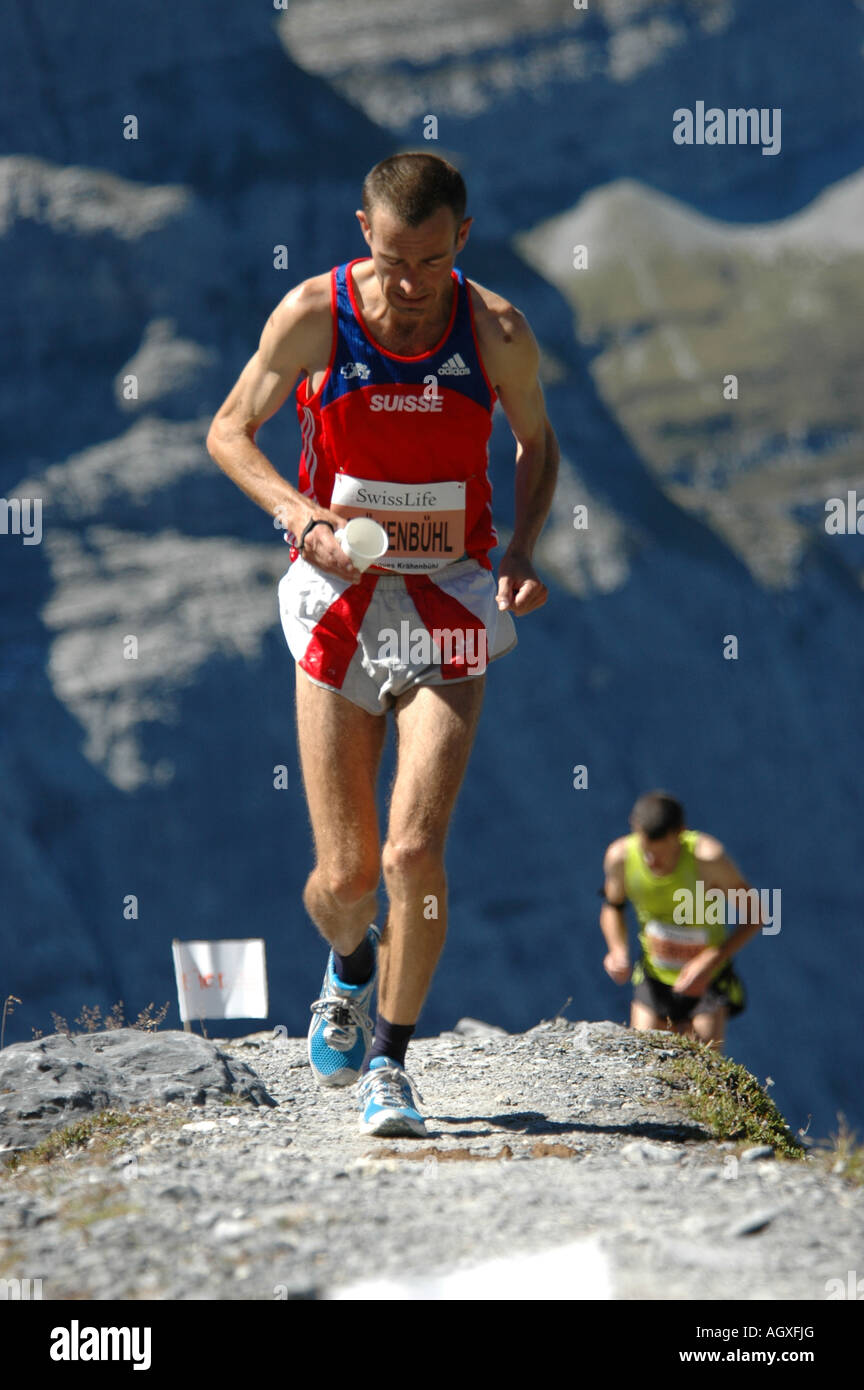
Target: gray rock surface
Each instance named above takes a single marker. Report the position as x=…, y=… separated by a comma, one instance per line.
x=760, y=1151
x=475, y=1028
x=56, y=1080
x=525, y=1157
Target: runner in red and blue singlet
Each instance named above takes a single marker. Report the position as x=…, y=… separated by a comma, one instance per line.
x=425, y=419
x=402, y=361
x=402, y=439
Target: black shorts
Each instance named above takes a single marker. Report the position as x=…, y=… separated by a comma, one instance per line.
x=726, y=990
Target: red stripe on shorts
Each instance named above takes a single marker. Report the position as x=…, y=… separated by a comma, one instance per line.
x=334, y=637
x=441, y=610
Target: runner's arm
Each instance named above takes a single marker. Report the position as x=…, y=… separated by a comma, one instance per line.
x=286, y=345
x=725, y=874
x=613, y=922
x=516, y=365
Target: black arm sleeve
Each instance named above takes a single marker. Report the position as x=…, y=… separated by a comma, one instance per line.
x=601, y=893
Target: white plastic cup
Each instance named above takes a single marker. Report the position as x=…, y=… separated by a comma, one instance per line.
x=363, y=540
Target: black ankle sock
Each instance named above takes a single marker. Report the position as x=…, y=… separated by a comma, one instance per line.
x=357, y=968
x=391, y=1040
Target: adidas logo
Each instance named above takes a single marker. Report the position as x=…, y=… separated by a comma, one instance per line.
x=454, y=366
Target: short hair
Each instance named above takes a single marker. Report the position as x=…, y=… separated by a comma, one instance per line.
x=413, y=186
x=657, y=814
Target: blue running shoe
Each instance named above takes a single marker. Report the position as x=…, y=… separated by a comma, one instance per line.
x=340, y=1034
x=387, y=1100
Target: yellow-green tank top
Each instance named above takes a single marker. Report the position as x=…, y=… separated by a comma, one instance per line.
x=666, y=944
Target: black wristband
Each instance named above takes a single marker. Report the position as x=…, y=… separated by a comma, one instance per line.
x=316, y=521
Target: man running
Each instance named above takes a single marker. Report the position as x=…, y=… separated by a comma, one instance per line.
x=684, y=980
x=402, y=360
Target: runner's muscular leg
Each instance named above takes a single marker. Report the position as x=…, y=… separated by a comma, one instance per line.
x=340, y=751
x=642, y=1018
x=704, y=1027
x=710, y=1027
x=435, y=730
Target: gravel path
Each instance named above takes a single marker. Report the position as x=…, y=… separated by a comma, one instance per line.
x=562, y=1139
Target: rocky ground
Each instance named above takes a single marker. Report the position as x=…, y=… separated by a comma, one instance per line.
x=253, y=1184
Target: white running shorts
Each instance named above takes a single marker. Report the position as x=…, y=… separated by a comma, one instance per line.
x=375, y=640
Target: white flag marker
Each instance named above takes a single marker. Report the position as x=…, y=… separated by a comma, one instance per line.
x=221, y=979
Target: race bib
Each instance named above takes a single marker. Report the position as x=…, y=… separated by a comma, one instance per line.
x=671, y=947
x=425, y=523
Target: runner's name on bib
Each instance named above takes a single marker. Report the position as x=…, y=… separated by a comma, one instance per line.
x=671, y=947
x=425, y=522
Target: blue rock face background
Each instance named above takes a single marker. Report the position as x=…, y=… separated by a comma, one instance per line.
x=155, y=257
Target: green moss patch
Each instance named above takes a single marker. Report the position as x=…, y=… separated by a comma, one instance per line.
x=725, y=1097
